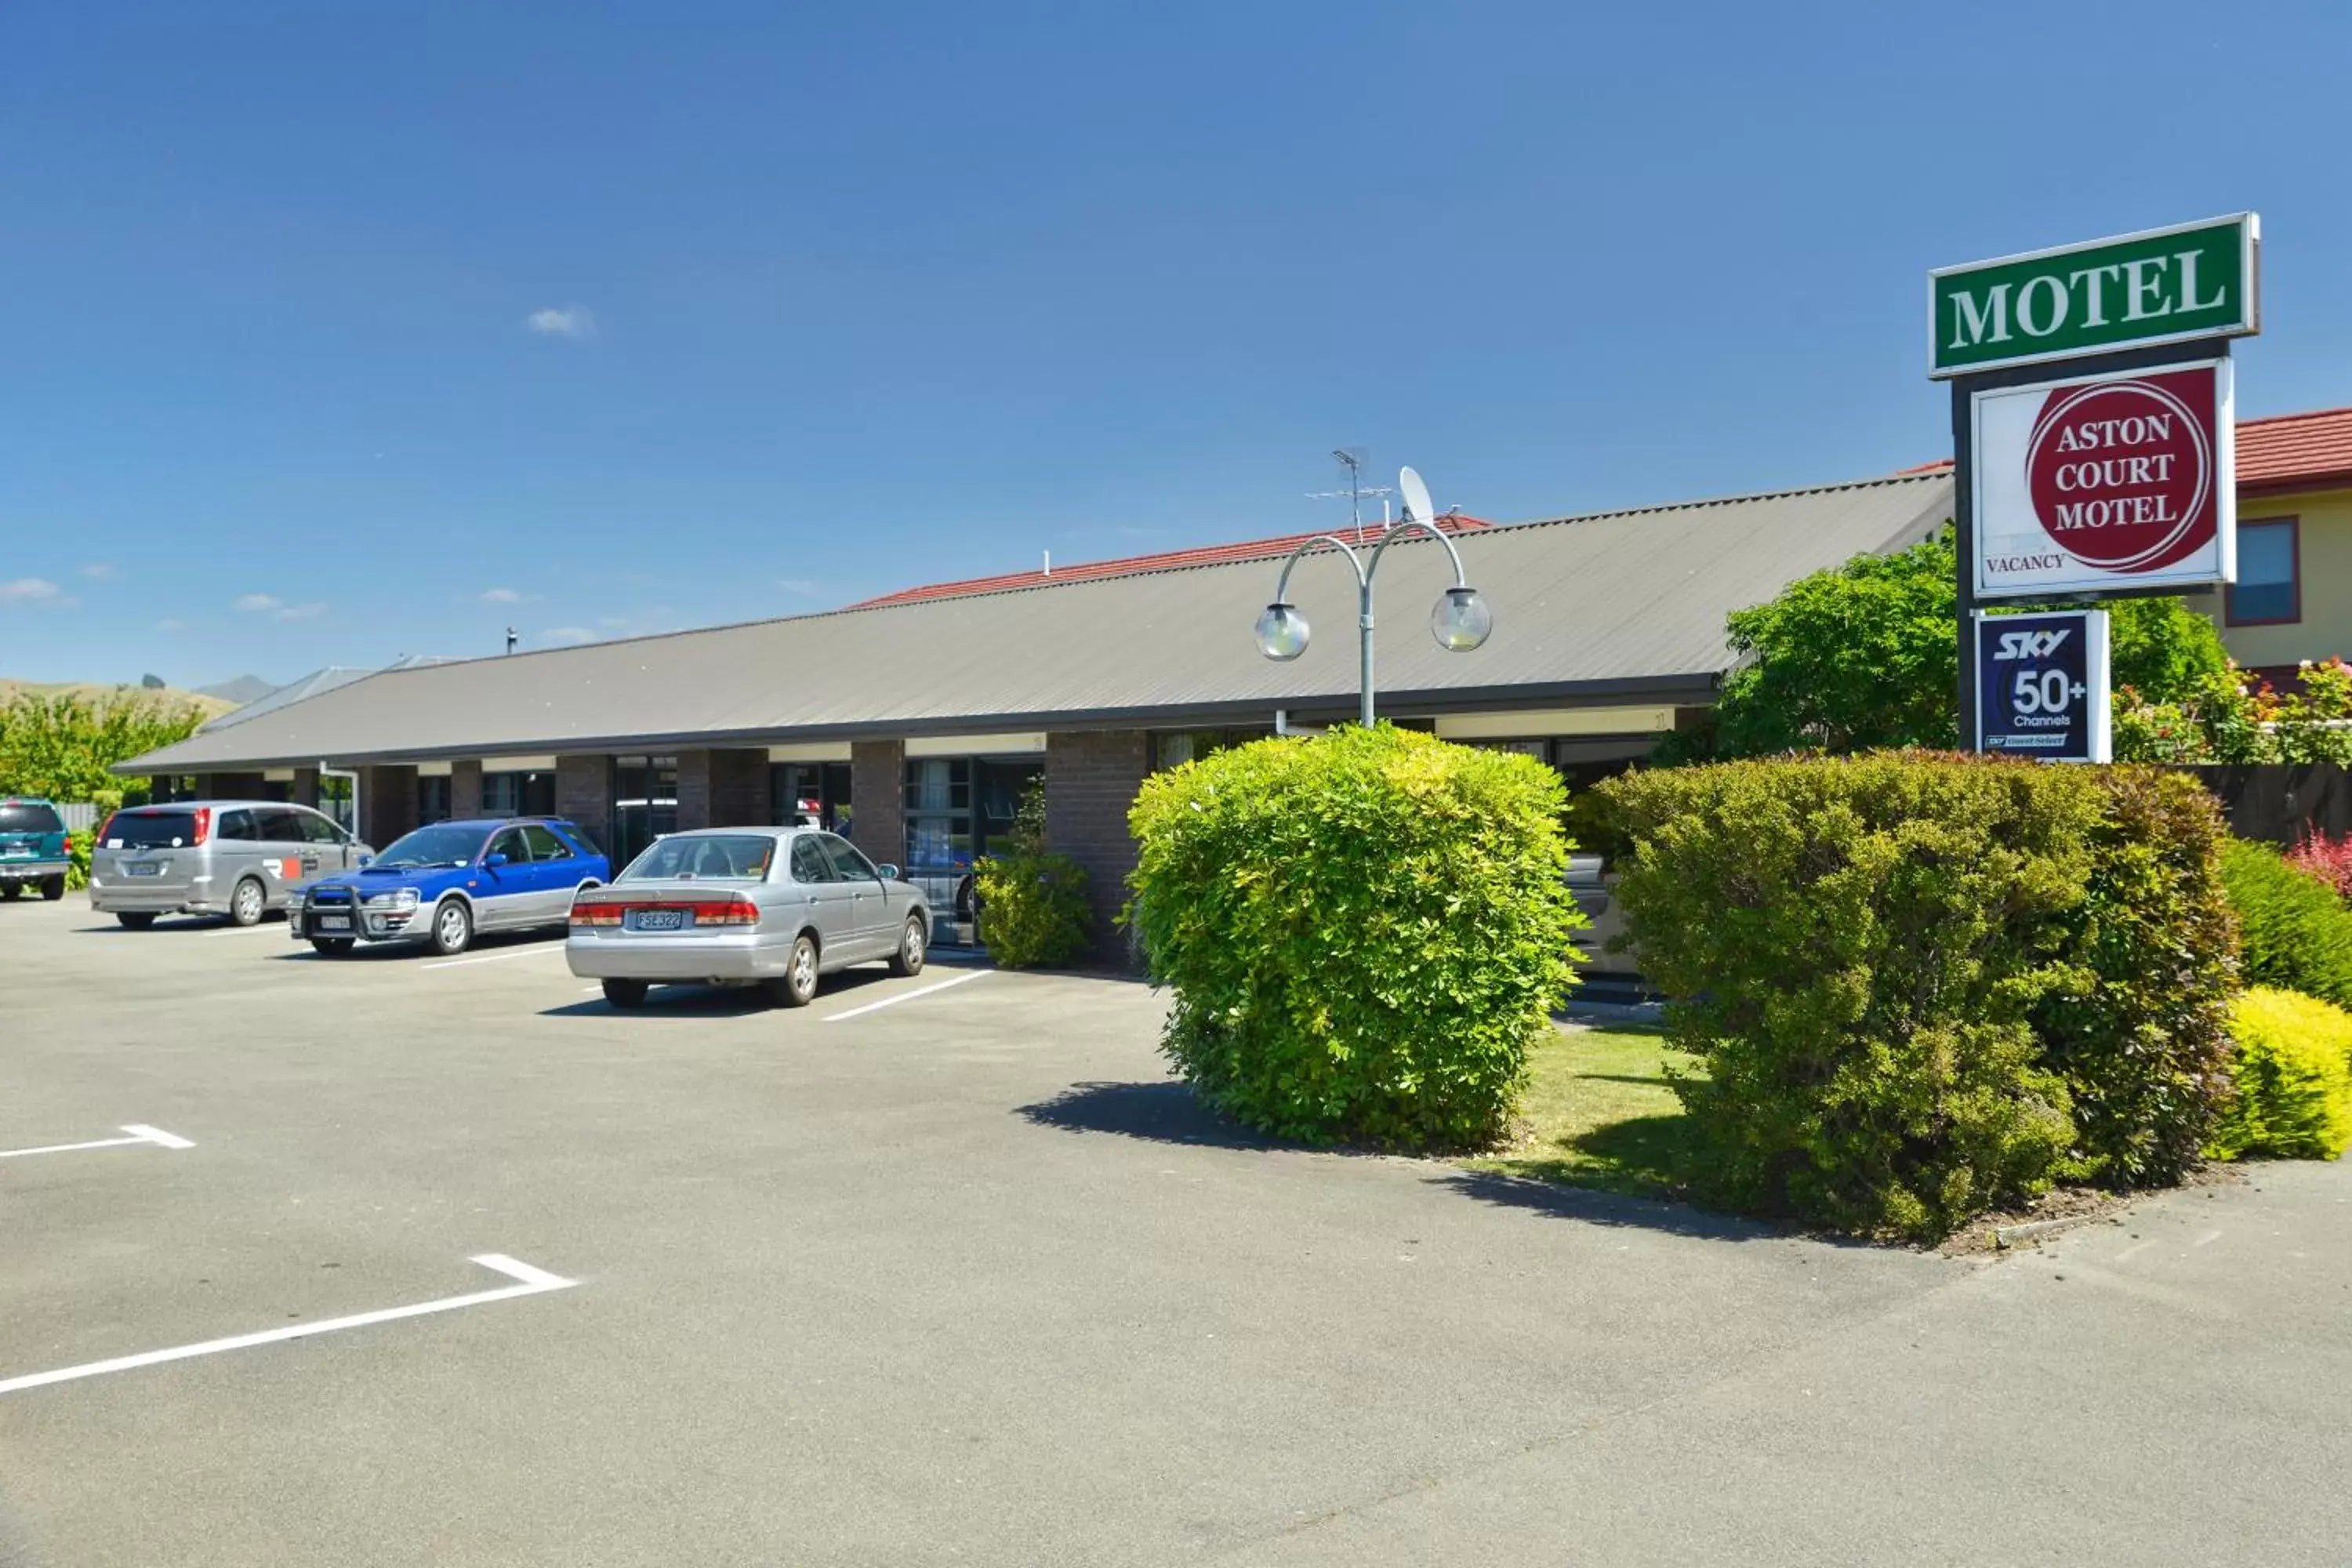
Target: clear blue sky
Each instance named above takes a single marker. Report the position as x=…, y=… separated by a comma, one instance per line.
x=853, y=297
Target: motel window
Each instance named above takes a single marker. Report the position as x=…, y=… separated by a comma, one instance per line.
x=2269, y=589
x=517, y=794
x=433, y=798
x=939, y=814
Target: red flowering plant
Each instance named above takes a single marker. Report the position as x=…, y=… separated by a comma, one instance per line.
x=2329, y=860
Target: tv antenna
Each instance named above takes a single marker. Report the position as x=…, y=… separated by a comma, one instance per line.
x=1353, y=462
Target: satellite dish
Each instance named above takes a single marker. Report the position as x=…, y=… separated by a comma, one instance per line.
x=1416, y=497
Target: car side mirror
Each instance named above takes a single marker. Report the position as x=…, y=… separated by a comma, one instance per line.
x=887, y=871
x=367, y=859
x=494, y=861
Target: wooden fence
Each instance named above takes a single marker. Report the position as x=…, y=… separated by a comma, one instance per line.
x=2281, y=803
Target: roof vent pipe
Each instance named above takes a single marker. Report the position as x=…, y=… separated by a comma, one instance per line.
x=1049, y=563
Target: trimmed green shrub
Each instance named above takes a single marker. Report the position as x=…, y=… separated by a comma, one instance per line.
x=2293, y=931
x=1363, y=932
x=2139, y=1030
x=1034, y=908
x=2294, y=1079
x=1854, y=948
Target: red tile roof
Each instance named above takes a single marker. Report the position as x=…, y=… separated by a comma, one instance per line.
x=1130, y=565
x=2283, y=452
x=2295, y=451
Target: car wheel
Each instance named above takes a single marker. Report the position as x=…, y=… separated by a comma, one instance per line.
x=625, y=993
x=54, y=889
x=453, y=928
x=248, y=904
x=797, y=988
x=909, y=959
x=131, y=922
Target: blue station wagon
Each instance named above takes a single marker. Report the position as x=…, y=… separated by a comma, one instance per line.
x=440, y=885
x=32, y=848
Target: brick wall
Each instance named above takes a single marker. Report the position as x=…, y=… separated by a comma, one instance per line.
x=877, y=799
x=583, y=794
x=1091, y=780
x=465, y=789
x=387, y=803
x=727, y=788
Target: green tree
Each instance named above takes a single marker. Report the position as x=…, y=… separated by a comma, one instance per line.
x=64, y=747
x=1851, y=658
x=1866, y=655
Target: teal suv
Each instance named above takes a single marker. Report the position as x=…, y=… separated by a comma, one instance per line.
x=35, y=850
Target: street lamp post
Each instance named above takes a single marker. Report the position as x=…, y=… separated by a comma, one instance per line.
x=1460, y=620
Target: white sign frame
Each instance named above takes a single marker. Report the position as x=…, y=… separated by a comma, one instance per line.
x=2090, y=582
x=2098, y=680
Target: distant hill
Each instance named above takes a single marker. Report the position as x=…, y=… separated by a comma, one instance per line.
x=243, y=690
x=212, y=707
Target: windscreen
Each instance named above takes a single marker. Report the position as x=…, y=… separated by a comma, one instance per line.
x=151, y=830
x=719, y=858
x=442, y=844
x=19, y=816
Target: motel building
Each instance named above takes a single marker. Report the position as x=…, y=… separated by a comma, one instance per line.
x=914, y=722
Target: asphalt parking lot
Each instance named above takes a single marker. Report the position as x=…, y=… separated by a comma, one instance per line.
x=938, y=1272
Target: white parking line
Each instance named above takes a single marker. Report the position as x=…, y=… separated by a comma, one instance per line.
x=140, y=1133
x=533, y=1282
x=495, y=957
x=904, y=996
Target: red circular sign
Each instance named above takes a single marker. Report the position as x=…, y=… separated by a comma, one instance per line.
x=2121, y=474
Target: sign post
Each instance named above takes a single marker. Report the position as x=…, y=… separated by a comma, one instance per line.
x=2042, y=685
x=2093, y=459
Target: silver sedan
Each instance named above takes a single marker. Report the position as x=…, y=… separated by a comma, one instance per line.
x=773, y=907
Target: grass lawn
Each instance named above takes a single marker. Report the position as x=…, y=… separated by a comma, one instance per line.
x=1597, y=1113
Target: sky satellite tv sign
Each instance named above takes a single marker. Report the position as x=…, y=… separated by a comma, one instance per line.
x=2162, y=286
x=2105, y=484
x=2042, y=686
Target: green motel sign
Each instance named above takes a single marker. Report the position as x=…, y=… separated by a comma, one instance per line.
x=2165, y=285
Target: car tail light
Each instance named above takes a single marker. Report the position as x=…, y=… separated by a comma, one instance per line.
x=104, y=828
x=738, y=910
x=596, y=913
x=204, y=824
x=65, y=844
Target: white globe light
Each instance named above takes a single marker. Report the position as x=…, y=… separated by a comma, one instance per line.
x=1461, y=621
x=1281, y=632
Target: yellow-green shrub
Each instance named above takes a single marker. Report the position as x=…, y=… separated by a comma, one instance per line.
x=2295, y=1079
x=1034, y=908
x=1363, y=932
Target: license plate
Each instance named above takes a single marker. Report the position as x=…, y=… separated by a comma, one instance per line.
x=15, y=851
x=334, y=923
x=142, y=868
x=659, y=920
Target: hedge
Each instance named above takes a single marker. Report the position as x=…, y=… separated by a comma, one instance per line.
x=2294, y=1079
x=2141, y=1036
x=1363, y=932
x=1925, y=985
x=2293, y=931
x=1034, y=908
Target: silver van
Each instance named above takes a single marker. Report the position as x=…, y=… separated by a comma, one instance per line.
x=237, y=857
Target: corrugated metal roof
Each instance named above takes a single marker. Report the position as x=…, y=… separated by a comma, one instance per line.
x=1626, y=604
x=1199, y=556
x=311, y=685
